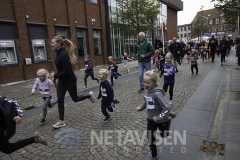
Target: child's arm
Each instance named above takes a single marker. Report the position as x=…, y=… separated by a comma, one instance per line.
x=35, y=86
x=51, y=83
x=155, y=55
x=99, y=93
x=142, y=106
x=164, y=105
x=109, y=91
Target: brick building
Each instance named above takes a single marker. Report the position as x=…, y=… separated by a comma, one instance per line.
x=27, y=27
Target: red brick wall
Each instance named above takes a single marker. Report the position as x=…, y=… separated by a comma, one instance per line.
x=171, y=23
x=67, y=12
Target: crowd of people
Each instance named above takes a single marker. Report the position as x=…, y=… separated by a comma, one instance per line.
x=64, y=79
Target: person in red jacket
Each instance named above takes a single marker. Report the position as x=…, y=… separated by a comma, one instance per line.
x=10, y=115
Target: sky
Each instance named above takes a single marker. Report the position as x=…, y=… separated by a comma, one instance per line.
x=190, y=9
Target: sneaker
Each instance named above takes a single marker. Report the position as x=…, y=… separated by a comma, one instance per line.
x=127, y=71
x=92, y=98
x=115, y=101
x=112, y=84
x=119, y=74
x=221, y=64
x=42, y=121
x=59, y=125
x=39, y=139
x=170, y=102
x=172, y=115
x=107, y=119
x=141, y=90
x=85, y=87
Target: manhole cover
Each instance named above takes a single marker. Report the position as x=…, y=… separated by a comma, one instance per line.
x=218, y=149
x=234, y=96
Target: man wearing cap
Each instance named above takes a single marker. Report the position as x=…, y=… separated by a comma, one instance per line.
x=213, y=45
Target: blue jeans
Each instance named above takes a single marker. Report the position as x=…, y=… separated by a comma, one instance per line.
x=141, y=67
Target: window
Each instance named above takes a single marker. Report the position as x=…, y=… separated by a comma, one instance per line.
x=184, y=28
x=210, y=21
x=82, y=42
x=97, y=42
x=216, y=21
x=189, y=28
x=63, y=32
x=8, y=54
x=185, y=35
x=38, y=42
x=181, y=29
x=94, y=1
x=181, y=35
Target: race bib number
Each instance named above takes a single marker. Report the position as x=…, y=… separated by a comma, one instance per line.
x=149, y=102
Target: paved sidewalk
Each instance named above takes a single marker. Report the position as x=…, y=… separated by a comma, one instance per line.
x=212, y=116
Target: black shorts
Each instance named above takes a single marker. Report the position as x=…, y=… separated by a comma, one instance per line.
x=176, y=57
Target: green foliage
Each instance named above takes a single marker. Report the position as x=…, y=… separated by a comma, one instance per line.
x=133, y=16
x=230, y=8
x=199, y=26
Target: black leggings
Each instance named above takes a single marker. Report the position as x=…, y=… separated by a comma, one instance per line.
x=152, y=128
x=165, y=88
x=12, y=147
x=86, y=76
x=223, y=54
x=71, y=87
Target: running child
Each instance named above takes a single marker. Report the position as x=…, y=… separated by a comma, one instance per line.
x=204, y=53
x=107, y=94
x=125, y=61
x=188, y=51
x=114, y=69
x=88, y=70
x=194, y=58
x=44, y=85
x=156, y=58
x=169, y=76
x=158, y=110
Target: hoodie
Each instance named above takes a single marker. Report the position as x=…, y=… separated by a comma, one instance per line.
x=44, y=87
x=156, y=104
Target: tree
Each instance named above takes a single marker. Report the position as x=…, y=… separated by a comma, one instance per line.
x=199, y=26
x=230, y=9
x=133, y=16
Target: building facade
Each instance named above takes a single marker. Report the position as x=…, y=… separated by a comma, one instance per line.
x=184, y=32
x=27, y=27
x=213, y=22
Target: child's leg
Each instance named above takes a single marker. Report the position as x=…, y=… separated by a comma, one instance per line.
x=45, y=105
x=93, y=78
x=85, y=80
x=112, y=80
x=192, y=69
x=164, y=129
x=165, y=87
x=104, y=109
x=48, y=102
x=171, y=90
x=151, y=128
x=196, y=67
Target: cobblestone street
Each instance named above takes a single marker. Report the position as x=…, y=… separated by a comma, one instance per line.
x=75, y=140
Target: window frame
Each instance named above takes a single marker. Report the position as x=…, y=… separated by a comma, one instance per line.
x=217, y=21
x=210, y=22
x=96, y=3
x=100, y=30
x=86, y=51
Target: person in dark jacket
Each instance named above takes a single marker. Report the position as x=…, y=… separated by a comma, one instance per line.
x=88, y=70
x=213, y=45
x=176, y=49
x=10, y=115
x=67, y=80
x=144, y=51
x=223, y=45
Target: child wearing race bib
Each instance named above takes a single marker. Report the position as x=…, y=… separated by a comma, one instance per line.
x=194, y=58
x=88, y=70
x=107, y=94
x=204, y=53
x=44, y=85
x=158, y=110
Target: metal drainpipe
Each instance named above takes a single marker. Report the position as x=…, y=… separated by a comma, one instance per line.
x=108, y=31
